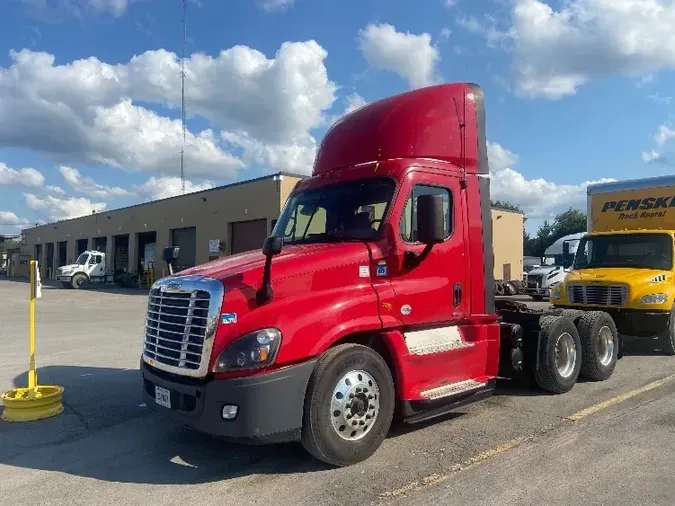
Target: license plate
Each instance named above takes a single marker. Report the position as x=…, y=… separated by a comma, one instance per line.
x=163, y=397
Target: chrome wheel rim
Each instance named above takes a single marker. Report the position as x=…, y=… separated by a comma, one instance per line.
x=605, y=345
x=565, y=354
x=355, y=405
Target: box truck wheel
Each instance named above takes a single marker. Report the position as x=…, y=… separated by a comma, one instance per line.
x=559, y=355
x=667, y=337
x=349, y=405
x=78, y=280
x=599, y=345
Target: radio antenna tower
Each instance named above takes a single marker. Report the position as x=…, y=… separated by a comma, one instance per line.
x=182, y=100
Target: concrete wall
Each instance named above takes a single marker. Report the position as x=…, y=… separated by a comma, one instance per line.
x=507, y=241
x=210, y=211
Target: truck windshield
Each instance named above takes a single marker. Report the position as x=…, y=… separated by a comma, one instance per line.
x=351, y=211
x=82, y=259
x=641, y=251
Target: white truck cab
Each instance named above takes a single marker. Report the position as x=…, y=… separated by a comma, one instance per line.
x=88, y=268
x=541, y=280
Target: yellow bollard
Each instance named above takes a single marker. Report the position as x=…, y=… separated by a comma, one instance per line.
x=37, y=401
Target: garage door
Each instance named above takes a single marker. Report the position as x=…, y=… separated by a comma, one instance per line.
x=186, y=240
x=248, y=235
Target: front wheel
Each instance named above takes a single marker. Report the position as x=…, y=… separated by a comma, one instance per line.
x=349, y=405
x=78, y=280
x=667, y=337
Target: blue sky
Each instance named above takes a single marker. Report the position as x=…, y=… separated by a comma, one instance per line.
x=90, y=92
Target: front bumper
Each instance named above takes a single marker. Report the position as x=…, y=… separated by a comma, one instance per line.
x=66, y=278
x=270, y=405
x=632, y=322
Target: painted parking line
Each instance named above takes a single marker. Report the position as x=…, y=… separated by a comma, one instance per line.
x=619, y=398
x=515, y=443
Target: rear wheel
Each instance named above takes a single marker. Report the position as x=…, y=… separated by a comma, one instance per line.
x=349, y=405
x=599, y=345
x=667, y=337
x=559, y=355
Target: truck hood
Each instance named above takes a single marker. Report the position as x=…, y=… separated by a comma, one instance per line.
x=291, y=261
x=619, y=275
x=69, y=266
x=544, y=270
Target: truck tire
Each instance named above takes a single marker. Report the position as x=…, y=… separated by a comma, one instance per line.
x=499, y=288
x=78, y=280
x=510, y=288
x=572, y=314
x=599, y=345
x=667, y=337
x=349, y=405
x=559, y=355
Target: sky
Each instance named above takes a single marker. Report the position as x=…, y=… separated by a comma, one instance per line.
x=577, y=91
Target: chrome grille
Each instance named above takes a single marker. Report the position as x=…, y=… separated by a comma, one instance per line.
x=601, y=295
x=181, y=320
x=534, y=280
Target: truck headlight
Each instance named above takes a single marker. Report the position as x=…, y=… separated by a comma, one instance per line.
x=654, y=298
x=252, y=351
x=555, y=290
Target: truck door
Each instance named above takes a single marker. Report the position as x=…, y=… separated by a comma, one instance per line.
x=431, y=296
x=96, y=265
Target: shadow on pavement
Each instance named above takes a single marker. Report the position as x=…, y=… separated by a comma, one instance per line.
x=106, y=433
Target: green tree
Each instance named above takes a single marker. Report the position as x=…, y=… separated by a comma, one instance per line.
x=9, y=244
x=571, y=221
x=505, y=205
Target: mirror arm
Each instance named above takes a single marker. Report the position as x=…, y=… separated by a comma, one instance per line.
x=411, y=259
x=266, y=292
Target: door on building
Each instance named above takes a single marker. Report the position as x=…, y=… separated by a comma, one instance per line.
x=506, y=272
x=186, y=240
x=81, y=246
x=61, y=253
x=248, y=235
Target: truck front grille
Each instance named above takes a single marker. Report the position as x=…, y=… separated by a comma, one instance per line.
x=180, y=324
x=534, y=280
x=601, y=295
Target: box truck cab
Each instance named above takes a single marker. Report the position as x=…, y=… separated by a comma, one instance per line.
x=373, y=296
x=624, y=265
x=89, y=267
x=553, y=268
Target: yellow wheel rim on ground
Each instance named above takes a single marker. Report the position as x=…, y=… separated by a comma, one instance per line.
x=28, y=404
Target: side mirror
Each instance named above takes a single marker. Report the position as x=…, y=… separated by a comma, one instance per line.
x=430, y=219
x=568, y=258
x=272, y=246
x=170, y=254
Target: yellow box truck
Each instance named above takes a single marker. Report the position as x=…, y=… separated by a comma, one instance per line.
x=624, y=264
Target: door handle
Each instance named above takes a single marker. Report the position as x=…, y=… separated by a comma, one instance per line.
x=457, y=294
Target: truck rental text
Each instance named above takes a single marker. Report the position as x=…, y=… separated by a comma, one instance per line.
x=372, y=301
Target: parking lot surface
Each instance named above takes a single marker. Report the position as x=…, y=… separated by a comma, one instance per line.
x=519, y=447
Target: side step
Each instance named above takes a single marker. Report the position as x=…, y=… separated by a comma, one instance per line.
x=420, y=411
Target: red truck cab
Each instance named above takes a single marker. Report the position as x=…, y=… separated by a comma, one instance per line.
x=373, y=296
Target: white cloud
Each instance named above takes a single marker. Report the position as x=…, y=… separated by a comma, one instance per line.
x=24, y=177
x=88, y=186
x=413, y=57
x=446, y=32
x=651, y=156
x=8, y=218
x=664, y=134
x=156, y=188
x=275, y=5
x=450, y=3
x=55, y=11
x=86, y=112
x=56, y=189
x=296, y=156
x=557, y=50
x=539, y=198
x=56, y=208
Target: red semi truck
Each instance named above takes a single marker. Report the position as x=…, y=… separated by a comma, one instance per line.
x=372, y=300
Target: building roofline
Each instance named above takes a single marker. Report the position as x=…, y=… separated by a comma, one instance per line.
x=497, y=208
x=200, y=192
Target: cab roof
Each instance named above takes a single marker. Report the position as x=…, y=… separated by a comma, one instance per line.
x=444, y=122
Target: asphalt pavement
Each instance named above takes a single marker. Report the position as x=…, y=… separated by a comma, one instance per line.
x=601, y=443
